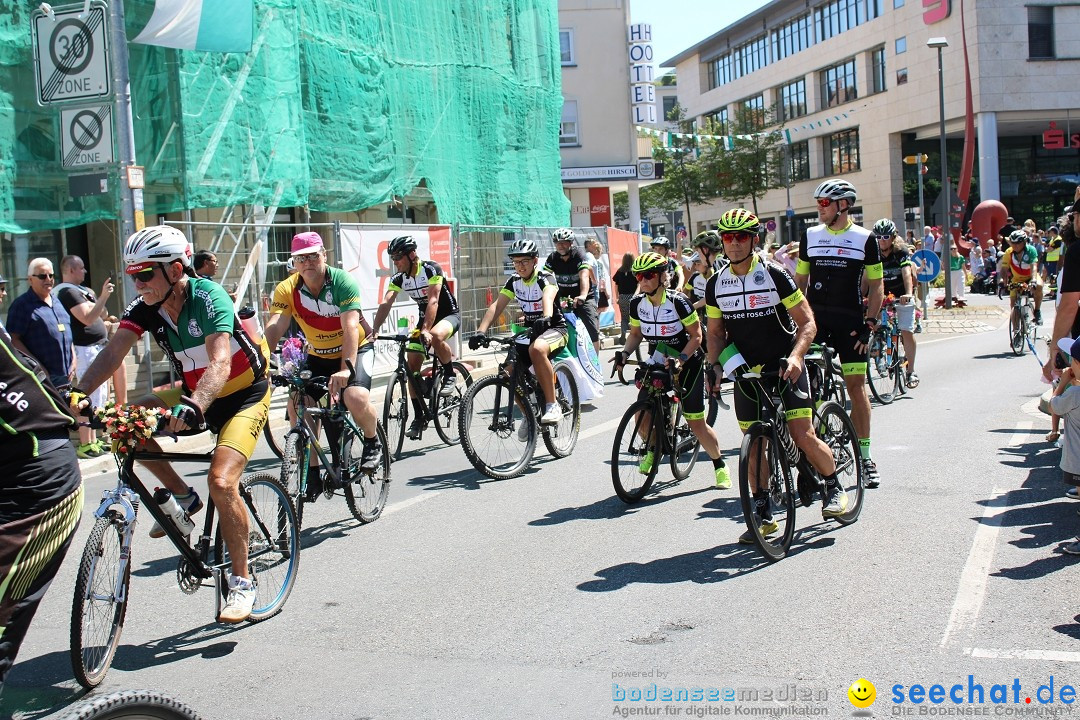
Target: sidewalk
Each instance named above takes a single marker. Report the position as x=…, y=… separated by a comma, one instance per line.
x=981, y=314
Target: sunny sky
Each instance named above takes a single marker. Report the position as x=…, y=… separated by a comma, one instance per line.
x=678, y=24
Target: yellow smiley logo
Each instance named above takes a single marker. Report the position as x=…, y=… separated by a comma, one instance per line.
x=862, y=693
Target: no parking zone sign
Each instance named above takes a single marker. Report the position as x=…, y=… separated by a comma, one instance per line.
x=70, y=54
x=86, y=136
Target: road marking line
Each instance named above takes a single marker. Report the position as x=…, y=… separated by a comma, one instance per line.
x=601, y=428
x=414, y=500
x=976, y=573
x=1052, y=655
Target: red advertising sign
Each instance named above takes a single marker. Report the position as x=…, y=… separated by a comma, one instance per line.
x=936, y=10
x=1054, y=139
x=599, y=206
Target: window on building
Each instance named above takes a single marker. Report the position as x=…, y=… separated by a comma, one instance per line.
x=791, y=38
x=718, y=119
x=897, y=4
x=901, y=45
x=720, y=71
x=755, y=111
x=568, y=126
x=838, y=84
x=1040, y=32
x=799, y=161
x=840, y=16
x=793, y=99
x=877, y=60
x=843, y=152
x=901, y=76
x=750, y=57
x=669, y=107
x=566, y=46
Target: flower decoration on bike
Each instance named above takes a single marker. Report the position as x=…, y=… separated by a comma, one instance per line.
x=128, y=426
x=292, y=356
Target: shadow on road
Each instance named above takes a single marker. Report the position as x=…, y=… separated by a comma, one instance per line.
x=612, y=507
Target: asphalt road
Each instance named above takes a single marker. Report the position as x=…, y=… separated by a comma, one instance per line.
x=546, y=597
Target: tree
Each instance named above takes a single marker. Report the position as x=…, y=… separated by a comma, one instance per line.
x=751, y=166
x=686, y=180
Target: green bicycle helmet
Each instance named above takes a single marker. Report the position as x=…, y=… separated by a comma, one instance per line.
x=649, y=261
x=738, y=221
x=709, y=239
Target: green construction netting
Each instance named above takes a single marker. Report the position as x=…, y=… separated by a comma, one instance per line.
x=340, y=105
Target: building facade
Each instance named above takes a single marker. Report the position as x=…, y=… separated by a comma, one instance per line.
x=857, y=87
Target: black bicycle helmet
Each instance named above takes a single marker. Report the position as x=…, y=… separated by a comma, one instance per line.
x=401, y=245
x=661, y=241
x=885, y=228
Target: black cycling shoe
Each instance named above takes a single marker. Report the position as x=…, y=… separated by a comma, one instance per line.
x=369, y=458
x=314, y=485
x=416, y=429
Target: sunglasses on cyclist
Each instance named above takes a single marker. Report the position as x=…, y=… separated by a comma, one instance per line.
x=883, y=237
x=143, y=276
x=736, y=236
x=398, y=256
x=647, y=275
x=824, y=202
x=44, y=276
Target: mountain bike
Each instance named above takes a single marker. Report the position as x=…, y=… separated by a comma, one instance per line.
x=499, y=417
x=886, y=365
x=437, y=407
x=132, y=705
x=101, y=589
x=651, y=428
x=365, y=492
x=768, y=444
x=1023, y=332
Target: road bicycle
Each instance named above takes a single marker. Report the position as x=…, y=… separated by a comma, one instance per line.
x=1023, y=332
x=768, y=444
x=826, y=376
x=101, y=589
x=886, y=365
x=499, y=418
x=437, y=407
x=132, y=705
x=365, y=492
x=652, y=427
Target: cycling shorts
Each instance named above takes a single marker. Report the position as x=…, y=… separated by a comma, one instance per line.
x=451, y=321
x=556, y=338
x=835, y=330
x=364, y=365
x=690, y=385
x=236, y=419
x=748, y=402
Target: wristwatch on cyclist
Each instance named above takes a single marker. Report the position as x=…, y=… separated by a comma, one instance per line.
x=683, y=357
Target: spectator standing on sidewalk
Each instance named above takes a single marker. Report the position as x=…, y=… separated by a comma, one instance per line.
x=40, y=326
x=956, y=270
x=626, y=284
x=89, y=335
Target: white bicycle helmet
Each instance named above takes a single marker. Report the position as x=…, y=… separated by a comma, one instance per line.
x=156, y=244
x=563, y=235
x=836, y=190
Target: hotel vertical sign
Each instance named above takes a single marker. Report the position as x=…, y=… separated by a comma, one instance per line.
x=642, y=91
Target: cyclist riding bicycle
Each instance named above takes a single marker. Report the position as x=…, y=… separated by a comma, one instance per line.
x=223, y=375
x=535, y=291
x=659, y=315
x=439, y=319
x=833, y=257
x=571, y=270
x=1020, y=264
x=662, y=246
x=325, y=302
x=898, y=276
x=757, y=316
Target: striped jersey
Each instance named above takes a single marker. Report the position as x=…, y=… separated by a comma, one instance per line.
x=319, y=314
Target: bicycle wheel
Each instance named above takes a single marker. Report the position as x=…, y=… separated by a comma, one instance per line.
x=561, y=439
x=100, y=602
x=626, y=372
x=683, y=453
x=275, y=436
x=396, y=414
x=1016, y=332
x=899, y=366
x=365, y=493
x=290, y=472
x=132, y=705
x=445, y=408
x=759, y=450
x=273, y=543
x=498, y=446
x=635, y=454
x=879, y=368
x=835, y=428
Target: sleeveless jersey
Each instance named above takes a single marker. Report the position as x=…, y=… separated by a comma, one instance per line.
x=428, y=273
x=754, y=308
x=666, y=322
x=319, y=314
x=207, y=310
x=530, y=296
x=835, y=262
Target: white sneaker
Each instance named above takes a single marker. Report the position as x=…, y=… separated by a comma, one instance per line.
x=523, y=430
x=192, y=504
x=552, y=416
x=240, y=601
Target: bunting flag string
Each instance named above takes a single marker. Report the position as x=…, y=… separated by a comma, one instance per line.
x=668, y=137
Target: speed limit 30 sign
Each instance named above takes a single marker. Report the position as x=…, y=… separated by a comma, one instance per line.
x=70, y=55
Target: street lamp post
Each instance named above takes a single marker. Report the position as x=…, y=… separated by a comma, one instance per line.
x=946, y=252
